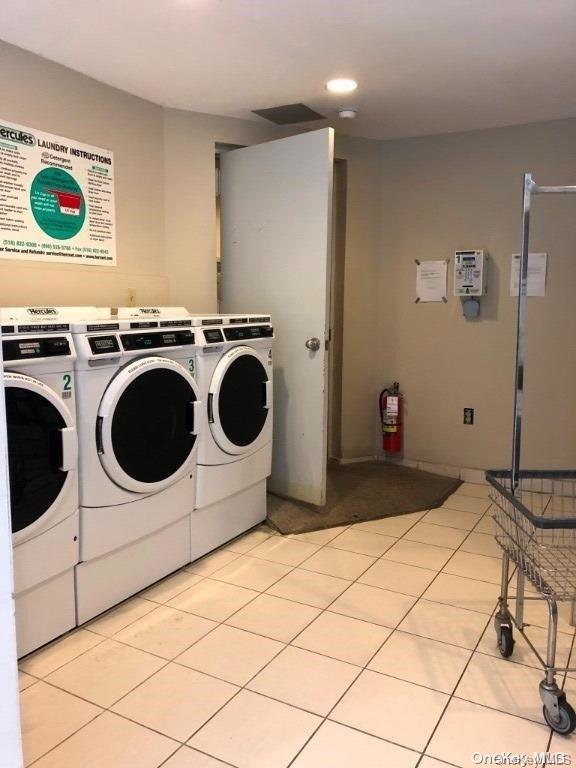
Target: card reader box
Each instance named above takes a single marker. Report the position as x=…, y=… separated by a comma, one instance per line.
x=470, y=273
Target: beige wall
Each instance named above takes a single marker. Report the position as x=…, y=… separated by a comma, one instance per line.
x=418, y=198
x=40, y=94
x=190, y=199
x=360, y=386
x=459, y=191
x=165, y=188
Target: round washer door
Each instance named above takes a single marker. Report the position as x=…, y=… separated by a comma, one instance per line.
x=239, y=400
x=42, y=450
x=147, y=424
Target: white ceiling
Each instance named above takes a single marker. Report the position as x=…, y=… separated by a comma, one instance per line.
x=424, y=66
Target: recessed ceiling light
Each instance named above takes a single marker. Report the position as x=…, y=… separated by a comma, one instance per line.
x=342, y=85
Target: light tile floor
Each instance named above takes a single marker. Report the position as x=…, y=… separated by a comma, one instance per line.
x=369, y=645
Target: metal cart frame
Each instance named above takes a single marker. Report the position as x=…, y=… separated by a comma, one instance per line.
x=535, y=519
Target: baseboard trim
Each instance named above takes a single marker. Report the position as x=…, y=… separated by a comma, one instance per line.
x=357, y=459
x=466, y=474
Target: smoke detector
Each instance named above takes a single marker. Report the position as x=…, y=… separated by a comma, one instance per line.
x=347, y=113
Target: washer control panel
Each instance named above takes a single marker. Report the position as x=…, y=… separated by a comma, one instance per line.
x=248, y=332
x=213, y=336
x=33, y=348
x=156, y=339
x=103, y=345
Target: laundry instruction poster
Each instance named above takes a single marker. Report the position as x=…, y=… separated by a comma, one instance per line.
x=56, y=198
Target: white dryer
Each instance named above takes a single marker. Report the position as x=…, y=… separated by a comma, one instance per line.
x=138, y=421
x=234, y=374
x=39, y=355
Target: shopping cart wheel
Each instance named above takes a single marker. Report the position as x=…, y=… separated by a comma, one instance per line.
x=505, y=641
x=567, y=721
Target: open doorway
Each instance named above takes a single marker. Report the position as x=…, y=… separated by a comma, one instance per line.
x=336, y=332
x=218, y=237
x=219, y=149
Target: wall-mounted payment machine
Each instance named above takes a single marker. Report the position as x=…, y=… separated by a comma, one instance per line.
x=470, y=279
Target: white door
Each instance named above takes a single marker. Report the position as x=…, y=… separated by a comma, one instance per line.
x=276, y=241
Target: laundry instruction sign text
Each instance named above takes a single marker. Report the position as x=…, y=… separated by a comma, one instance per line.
x=56, y=198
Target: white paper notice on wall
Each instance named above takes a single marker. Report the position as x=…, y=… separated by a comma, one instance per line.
x=537, y=264
x=56, y=198
x=431, y=277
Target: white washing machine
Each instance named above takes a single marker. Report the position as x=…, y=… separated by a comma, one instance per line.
x=234, y=374
x=139, y=416
x=39, y=356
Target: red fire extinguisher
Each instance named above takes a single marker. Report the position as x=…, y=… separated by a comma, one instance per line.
x=391, y=418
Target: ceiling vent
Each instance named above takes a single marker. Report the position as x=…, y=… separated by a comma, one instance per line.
x=289, y=113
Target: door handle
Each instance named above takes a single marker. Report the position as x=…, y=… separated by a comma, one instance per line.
x=313, y=344
x=193, y=416
x=210, y=408
x=99, y=441
x=69, y=448
x=267, y=394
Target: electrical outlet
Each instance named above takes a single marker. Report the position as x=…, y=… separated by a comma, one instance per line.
x=468, y=415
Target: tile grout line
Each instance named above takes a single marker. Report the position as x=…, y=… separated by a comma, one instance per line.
x=86, y=626
x=210, y=631
x=244, y=686
x=364, y=669
x=185, y=747
x=286, y=645
x=158, y=605
x=240, y=688
x=469, y=659
x=564, y=680
x=474, y=651
x=260, y=592
x=452, y=695
x=108, y=709
x=69, y=661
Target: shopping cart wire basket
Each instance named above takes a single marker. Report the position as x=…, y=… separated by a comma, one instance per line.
x=536, y=529
x=535, y=516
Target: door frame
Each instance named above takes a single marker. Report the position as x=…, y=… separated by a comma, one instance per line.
x=336, y=324
x=10, y=728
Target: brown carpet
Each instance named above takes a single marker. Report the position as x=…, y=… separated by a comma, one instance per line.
x=359, y=492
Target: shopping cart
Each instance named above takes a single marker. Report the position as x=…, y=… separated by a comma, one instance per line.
x=536, y=528
x=535, y=515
